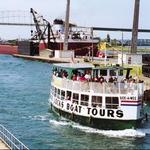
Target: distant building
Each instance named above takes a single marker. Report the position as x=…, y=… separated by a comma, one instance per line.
x=140, y=42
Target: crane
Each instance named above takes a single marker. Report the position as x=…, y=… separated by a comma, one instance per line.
x=43, y=29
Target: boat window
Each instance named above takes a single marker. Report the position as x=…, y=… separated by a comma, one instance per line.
x=62, y=94
x=52, y=90
x=95, y=73
x=58, y=93
x=112, y=102
x=112, y=73
x=103, y=72
x=84, y=99
x=75, y=98
x=96, y=101
x=121, y=72
x=146, y=70
x=55, y=92
x=68, y=95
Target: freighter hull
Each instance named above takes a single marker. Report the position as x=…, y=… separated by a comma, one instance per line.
x=81, y=49
x=8, y=49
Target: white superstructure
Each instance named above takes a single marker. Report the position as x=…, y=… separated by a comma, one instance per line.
x=117, y=100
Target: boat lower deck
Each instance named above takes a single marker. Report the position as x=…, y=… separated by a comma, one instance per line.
x=106, y=124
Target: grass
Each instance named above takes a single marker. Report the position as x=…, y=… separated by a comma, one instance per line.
x=127, y=48
x=136, y=69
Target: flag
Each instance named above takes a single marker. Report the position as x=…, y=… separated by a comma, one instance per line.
x=102, y=46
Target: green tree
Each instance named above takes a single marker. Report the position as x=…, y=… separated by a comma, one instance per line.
x=108, y=38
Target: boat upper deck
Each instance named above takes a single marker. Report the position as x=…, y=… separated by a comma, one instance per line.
x=95, y=71
x=86, y=76
x=99, y=88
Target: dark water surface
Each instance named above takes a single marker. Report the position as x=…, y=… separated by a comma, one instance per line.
x=24, y=93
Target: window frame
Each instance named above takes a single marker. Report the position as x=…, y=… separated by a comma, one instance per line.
x=111, y=104
x=74, y=99
x=63, y=96
x=68, y=95
x=84, y=102
x=96, y=103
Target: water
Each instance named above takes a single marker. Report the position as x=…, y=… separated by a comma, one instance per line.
x=24, y=93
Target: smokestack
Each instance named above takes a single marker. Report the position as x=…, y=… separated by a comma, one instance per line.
x=65, y=47
x=135, y=27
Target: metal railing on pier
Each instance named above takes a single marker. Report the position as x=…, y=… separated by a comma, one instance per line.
x=10, y=140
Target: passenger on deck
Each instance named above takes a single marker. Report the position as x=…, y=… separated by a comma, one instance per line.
x=111, y=80
x=95, y=79
x=141, y=81
x=87, y=76
x=68, y=97
x=101, y=79
x=115, y=80
x=60, y=73
x=64, y=74
x=78, y=76
x=55, y=71
x=74, y=77
x=82, y=77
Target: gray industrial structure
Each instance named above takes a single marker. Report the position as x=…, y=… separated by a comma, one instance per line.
x=28, y=48
x=135, y=27
x=67, y=25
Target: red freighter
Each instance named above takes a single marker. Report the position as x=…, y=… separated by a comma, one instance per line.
x=80, y=39
x=8, y=49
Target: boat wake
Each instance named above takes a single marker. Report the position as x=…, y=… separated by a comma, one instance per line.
x=40, y=117
x=59, y=123
x=139, y=133
x=146, y=131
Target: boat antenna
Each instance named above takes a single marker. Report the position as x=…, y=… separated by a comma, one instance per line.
x=135, y=27
x=92, y=42
x=122, y=49
x=65, y=46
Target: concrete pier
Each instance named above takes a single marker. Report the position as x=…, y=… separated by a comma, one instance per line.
x=3, y=145
x=49, y=59
x=44, y=59
x=9, y=141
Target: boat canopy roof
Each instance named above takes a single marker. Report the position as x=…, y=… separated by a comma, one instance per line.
x=74, y=65
x=87, y=66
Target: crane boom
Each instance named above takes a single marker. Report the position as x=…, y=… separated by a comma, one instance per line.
x=43, y=29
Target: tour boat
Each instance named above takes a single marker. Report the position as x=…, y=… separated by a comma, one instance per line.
x=103, y=97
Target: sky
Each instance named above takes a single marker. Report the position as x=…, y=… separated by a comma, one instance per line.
x=99, y=13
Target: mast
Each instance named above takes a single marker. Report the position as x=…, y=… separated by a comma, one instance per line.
x=135, y=27
x=65, y=46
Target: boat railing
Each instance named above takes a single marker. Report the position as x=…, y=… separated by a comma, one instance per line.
x=96, y=87
x=10, y=140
